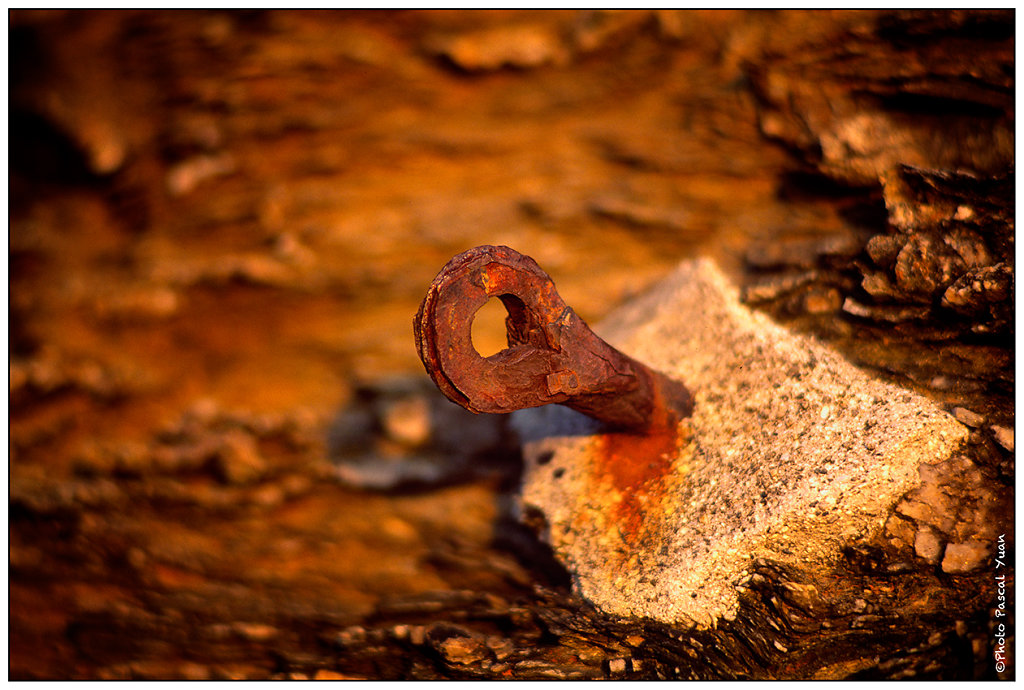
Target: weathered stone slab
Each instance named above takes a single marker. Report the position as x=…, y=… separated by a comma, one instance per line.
x=791, y=454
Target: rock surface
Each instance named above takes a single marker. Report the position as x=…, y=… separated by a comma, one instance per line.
x=791, y=455
x=222, y=223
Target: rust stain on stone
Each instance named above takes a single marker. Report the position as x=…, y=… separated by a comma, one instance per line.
x=637, y=468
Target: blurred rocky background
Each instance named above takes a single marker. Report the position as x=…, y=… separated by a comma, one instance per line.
x=225, y=459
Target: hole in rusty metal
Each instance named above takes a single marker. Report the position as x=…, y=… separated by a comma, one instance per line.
x=488, y=329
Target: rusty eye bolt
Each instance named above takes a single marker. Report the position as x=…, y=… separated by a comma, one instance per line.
x=552, y=355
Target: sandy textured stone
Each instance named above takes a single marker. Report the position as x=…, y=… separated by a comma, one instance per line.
x=963, y=558
x=927, y=544
x=971, y=419
x=791, y=454
x=1004, y=435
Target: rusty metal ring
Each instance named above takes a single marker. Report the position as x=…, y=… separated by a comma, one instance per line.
x=552, y=357
x=464, y=285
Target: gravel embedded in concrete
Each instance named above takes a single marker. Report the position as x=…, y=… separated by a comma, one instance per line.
x=791, y=454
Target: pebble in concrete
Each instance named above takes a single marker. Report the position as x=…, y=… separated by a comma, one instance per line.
x=791, y=454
